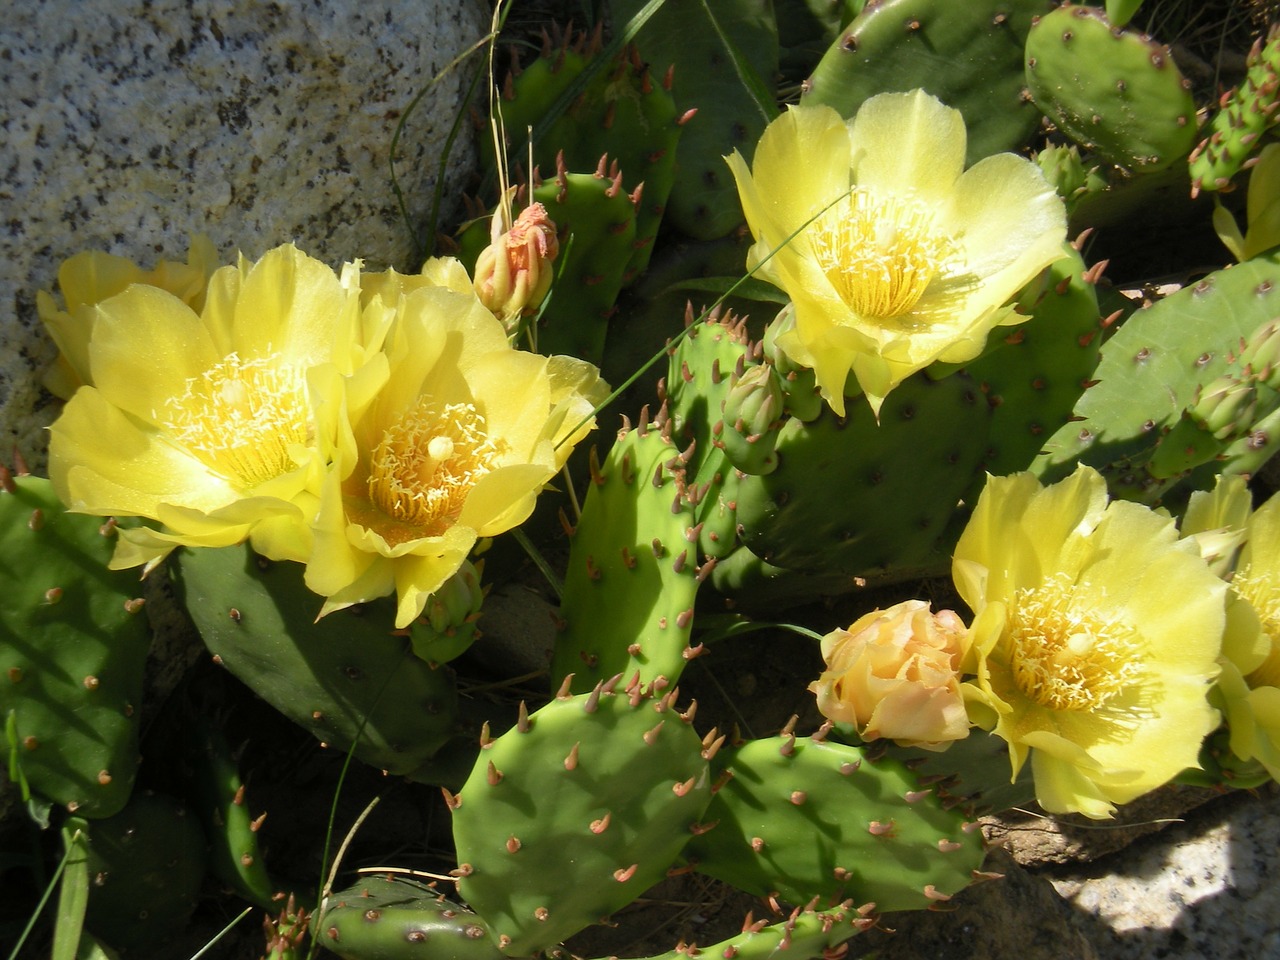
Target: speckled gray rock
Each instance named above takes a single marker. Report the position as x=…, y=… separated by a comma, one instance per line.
x=128, y=124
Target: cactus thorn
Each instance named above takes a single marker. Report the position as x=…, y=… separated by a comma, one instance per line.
x=684, y=618
x=1094, y=273
x=878, y=829
x=625, y=874
x=6, y=480
x=493, y=775
x=523, y=724
x=592, y=703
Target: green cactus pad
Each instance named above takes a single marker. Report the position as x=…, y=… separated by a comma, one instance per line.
x=801, y=818
x=1036, y=374
x=73, y=644
x=389, y=918
x=575, y=812
x=146, y=864
x=345, y=676
x=1151, y=372
x=633, y=572
x=723, y=57
x=969, y=55
x=1114, y=91
x=869, y=499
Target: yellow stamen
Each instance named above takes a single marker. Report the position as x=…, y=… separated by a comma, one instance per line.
x=427, y=462
x=1066, y=658
x=883, y=254
x=239, y=418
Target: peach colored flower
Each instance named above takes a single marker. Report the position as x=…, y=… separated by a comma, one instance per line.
x=895, y=673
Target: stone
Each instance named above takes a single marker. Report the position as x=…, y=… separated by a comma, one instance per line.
x=132, y=125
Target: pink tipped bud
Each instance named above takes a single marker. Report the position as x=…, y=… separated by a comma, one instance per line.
x=513, y=273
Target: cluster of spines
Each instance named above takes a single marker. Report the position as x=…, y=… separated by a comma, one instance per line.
x=1244, y=115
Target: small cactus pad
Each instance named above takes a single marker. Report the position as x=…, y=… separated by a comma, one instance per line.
x=73, y=644
x=393, y=918
x=575, y=812
x=1114, y=91
x=347, y=677
x=805, y=934
x=802, y=818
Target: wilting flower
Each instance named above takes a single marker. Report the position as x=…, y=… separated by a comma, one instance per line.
x=1249, y=687
x=513, y=273
x=895, y=673
x=455, y=446
x=902, y=258
x=217, y=425
x=92, y=276
x=1095, y=637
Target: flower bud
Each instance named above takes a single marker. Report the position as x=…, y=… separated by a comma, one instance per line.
x=752, y=415
x=896, y=673
x=513, y=273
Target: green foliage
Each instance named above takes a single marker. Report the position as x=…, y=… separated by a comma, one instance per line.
x=1115, y=92
x=804, y=819
x=968, y=55
x=387, y=918
x=576, y=811
x=347, y=678
x=146, y=864
x=73, y=643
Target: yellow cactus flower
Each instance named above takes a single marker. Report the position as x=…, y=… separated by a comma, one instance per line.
x=92, y=276
x=903, y=257
x=455, y=446
x=1094, y=641
x=895, y=673
x=1249, y=686
x=218, y=425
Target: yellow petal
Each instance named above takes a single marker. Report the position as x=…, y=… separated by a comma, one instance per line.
x=908, y=144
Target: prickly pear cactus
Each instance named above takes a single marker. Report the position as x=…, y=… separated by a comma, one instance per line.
x=803, y=818
x=73, y=644
x=146, y=864
x=1153, y=372
x=633, y=568
x=898, y=45
x=386, y=916
x=1114, y=91
x=1033, y=378
x=869, y=499
x=346, y=678
x=723, y=57
x=1244, y=115
x=611, y=783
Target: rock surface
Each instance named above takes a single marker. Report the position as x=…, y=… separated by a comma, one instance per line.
x=130, y=125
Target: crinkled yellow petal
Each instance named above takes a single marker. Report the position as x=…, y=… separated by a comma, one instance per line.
x=418, y=576
x=503, y=499
x=147, y=344
x=104, y=461
x=908, y=144
x=1063, y=783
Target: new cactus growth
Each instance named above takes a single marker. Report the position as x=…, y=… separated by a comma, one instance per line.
x=1244, y=115
x=613, y=782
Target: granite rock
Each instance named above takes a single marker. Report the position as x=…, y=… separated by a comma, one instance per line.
x=130, y=125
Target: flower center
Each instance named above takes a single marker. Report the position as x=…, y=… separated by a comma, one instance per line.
x=428, y=461
x=1064, y=658
x=1264, y=596
x=240, y=417
x=882, y=253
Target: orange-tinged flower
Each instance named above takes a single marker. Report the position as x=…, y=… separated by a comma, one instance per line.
x=893, y=254
x=455, y=446
x=216, y=425
x=92, y=276
x=895, y=673
x=1094, y=641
